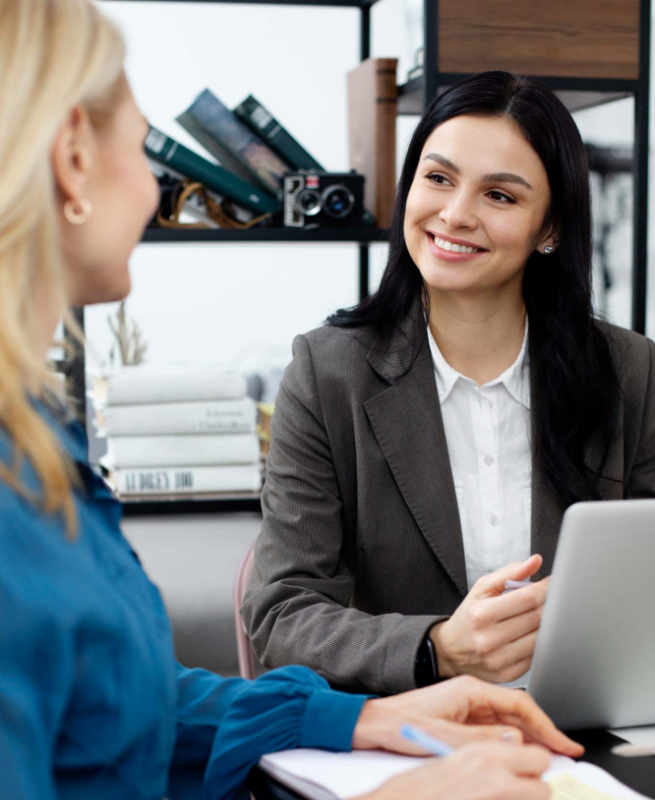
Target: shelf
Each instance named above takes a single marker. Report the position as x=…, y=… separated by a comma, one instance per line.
x=355, y=235
x=212, y=504
x=332, y=3
x=575, y=93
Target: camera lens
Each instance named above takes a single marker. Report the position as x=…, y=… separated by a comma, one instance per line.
x=308, y=202
x=338, y=202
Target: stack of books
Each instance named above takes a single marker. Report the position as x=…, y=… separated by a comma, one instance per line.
x=253, y=150
x=181, y=431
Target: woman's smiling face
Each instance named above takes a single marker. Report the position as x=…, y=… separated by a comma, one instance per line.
x=477, y=206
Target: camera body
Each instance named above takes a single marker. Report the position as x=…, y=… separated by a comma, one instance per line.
x=323, y=200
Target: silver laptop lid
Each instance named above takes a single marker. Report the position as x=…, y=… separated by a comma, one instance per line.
x=594, y=662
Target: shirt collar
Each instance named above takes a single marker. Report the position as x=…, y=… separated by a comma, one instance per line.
x=516, y=378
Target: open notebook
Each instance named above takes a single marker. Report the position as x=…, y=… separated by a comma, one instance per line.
x=319, y=775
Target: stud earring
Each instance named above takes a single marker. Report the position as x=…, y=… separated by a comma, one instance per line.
x=77, y=212
x=548, y=249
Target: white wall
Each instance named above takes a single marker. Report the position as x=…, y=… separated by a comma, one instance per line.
x=242, y=304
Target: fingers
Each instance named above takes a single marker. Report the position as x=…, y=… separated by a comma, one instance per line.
x=510, y=630
x=519, y=709
x=457, y=735
x=521, y=789
x=494, y=584
x=488, y=771
x=511, y=655
x=520, y=601
x=528, y=761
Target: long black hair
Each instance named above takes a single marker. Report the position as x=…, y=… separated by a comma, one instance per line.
x=575, y=388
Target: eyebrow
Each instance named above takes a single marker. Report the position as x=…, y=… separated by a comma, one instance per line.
x=495, y=177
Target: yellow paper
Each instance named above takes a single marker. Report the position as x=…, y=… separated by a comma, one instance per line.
x=566, y=787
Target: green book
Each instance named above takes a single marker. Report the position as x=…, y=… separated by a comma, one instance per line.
x=278, y=138
x=167, y=151
x=235, y=146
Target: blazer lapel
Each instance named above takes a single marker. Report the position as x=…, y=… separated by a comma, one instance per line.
x=407, y=423
x=547, y=512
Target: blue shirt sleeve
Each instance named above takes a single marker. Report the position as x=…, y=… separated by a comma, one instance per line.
x=229, y=723
x=36, y=662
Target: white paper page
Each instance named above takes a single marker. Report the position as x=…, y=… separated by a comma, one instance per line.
x=602, y=781
x=343, y=775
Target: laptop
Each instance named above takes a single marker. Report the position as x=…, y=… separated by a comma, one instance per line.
x=594, y=661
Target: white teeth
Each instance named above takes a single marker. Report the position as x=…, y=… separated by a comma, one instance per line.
x=454, y=248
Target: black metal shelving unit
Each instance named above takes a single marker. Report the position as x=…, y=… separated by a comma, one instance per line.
x=355, y=235
x=361, y=237
x=413, y=98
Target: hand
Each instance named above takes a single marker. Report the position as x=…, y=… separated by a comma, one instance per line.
x=459, y=711
x=476, y=772
x=492, y=635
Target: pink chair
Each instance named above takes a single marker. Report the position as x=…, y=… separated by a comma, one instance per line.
x=244, y=648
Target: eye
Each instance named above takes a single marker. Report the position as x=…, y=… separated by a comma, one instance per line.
x=499, y=197
x=439, y=179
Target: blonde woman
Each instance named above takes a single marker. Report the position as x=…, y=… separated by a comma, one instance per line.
x=92, y=703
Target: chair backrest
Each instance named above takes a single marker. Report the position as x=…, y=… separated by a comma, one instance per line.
x=245, y=652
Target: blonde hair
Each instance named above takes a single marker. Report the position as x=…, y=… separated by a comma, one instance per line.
x=54, y=55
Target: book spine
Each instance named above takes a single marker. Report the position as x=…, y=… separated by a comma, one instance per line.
x=223, y=416
x=187, y=480
x=278, y=138
x=167, y=151
x=232, y=135
x=223, y=156
x=133, y=387
x=173, y=451
x=372, y=111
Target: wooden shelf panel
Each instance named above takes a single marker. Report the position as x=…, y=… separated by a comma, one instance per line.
x=584, y=39
x=575, y=93
x=325, y=235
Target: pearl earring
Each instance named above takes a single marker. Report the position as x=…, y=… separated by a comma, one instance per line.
x=77, y=212
x=548, y=249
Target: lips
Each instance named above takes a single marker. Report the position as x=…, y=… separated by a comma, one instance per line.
x=446, y=250
x=454, y=245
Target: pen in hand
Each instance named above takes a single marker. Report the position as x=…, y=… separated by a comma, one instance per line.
x=510, y=586
x=429, y=743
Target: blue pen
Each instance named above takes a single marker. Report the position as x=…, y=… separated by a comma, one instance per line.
x=429, y=743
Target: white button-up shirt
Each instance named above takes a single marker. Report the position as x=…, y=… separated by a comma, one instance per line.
x=488, y=435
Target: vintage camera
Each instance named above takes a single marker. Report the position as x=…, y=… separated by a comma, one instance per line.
x=323, y=200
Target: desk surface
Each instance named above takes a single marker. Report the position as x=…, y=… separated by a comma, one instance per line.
x=638, y=773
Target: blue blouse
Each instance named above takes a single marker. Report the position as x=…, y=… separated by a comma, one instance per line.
x=92, y=702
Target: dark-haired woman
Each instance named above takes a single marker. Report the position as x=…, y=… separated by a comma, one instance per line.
x=427, y=442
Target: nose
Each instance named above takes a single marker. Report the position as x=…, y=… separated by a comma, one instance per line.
x=459, y=211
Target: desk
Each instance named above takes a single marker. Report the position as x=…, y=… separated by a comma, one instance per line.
x=637, y=773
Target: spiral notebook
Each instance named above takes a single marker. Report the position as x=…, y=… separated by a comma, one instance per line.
x=319, y=775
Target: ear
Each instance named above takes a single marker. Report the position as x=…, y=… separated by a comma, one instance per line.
x=549, y=236
x=72, y=154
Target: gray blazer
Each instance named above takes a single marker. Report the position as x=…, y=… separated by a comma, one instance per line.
x=361, y=549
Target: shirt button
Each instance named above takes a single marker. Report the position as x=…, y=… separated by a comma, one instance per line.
x=489, y=460
x=493, y=519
